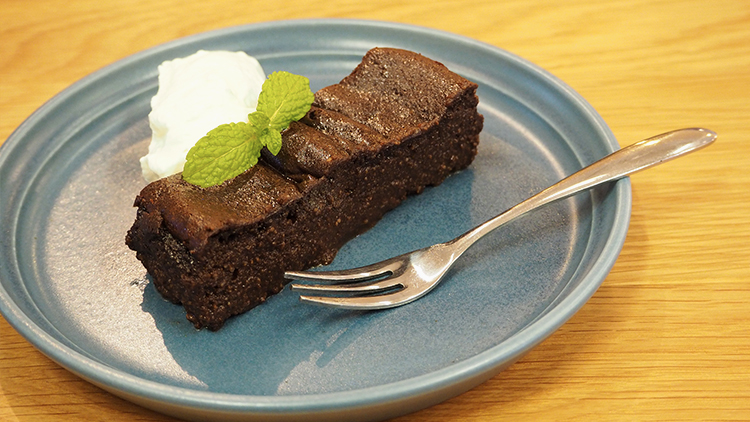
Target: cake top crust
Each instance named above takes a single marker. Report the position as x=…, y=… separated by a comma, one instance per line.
x=396, y=92
x=193, y=213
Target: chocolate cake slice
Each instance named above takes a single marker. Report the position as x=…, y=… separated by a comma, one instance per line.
x=398, y=123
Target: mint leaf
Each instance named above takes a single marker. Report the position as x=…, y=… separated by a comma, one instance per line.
x=258, y=119
x=222, y=154
x=285, y=98
x=232, y=148
x=271, y=139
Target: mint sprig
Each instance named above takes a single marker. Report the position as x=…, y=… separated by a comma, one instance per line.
x=232, y=148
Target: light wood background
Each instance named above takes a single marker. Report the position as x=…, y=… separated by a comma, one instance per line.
x=665, y=338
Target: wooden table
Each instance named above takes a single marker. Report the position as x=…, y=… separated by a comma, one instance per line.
x=665, y=338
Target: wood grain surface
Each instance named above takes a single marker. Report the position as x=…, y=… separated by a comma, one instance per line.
x=665, y=338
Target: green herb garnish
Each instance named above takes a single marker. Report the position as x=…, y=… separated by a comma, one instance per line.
x=232, y=148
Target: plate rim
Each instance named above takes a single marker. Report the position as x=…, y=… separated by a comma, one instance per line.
x=468, y=372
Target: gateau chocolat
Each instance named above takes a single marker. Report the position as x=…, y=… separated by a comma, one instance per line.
x=399, y=123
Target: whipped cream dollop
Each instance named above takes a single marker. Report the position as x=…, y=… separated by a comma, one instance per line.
x=196, y=94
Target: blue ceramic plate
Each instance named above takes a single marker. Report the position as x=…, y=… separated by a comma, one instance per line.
x=69, y=174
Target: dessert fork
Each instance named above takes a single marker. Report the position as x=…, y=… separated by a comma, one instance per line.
x=405, y=278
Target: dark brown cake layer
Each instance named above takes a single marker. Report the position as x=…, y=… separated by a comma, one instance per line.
x=398, y=123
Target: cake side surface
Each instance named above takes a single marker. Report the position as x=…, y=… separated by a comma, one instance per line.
x=223, y=250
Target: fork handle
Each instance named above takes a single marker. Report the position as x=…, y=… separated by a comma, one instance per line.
x=623, y=162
